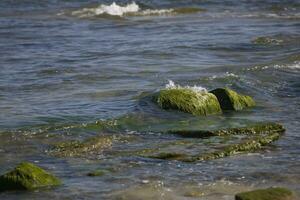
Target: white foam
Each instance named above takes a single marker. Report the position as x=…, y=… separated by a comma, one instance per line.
x=113, y=9
x=227, y=74
x=156, y=12
x=195, y=88
x=117, y=10
x=295, y=65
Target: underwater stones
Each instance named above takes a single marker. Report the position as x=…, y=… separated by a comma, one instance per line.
x=27, y=176
x=189, y=101
x=248, y=145
x=257, y=136
x=256, y=129
x=265, y=40
x=91, y=146
x=231, y=100
x=266, y=194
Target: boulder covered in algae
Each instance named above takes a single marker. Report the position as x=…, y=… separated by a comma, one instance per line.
x=259, y=128
x=189, y=101
x=27, y=176
x=266, y=194
x=91, y=146
x=231, y=100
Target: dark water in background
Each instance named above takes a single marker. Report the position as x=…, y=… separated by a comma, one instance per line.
x=65, y=68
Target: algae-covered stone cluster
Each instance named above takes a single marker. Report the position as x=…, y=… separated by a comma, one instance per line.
x=258, y=136
x=266, y=194
x=254, y=129
x=202, y=102
x=27, y=176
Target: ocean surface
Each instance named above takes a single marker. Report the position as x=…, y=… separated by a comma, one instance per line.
x=71, y=70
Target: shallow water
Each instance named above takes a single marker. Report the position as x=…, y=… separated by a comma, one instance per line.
x=67, y=76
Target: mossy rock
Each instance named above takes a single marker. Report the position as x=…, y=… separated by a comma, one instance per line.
x=189, y=101
x=231, y=100
x=260, y=128
x=27, y=176
x=91, y=146
x=266, y=194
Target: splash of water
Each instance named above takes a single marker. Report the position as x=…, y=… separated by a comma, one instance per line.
x=195, y=88
x=131, y=9
x=113, y=9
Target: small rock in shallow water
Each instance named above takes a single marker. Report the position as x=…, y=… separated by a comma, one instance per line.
x=27, y=176
x=266, y=194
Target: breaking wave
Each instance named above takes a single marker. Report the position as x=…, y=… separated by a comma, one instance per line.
x=131, y=9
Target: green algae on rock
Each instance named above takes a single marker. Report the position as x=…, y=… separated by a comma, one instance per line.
x=261, y=135
x=260, y=128
x=231, y=100
x=248, y=145
x=266, y=194
x=189, y=101
x=94, y=145
x=27, y=176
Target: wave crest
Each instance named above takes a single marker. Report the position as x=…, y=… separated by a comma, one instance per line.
x=113, y=9
x=131, y=9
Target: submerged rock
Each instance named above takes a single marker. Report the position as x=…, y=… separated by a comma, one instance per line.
x=261, y=128
x=98, y=172
x=248, y=145
x=265, y=40
x=94, y=145
x=231, y=100
x=260, y=136
x=266, y=194
x=27, y=176
x=189, y=101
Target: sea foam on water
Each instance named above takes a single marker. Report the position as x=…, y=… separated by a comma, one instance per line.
x=195, y=88
x=113, y=9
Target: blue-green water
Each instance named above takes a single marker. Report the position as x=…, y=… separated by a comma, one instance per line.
x=68, y=67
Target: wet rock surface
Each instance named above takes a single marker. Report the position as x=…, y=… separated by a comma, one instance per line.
x=27, y=176
x=266, y=194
